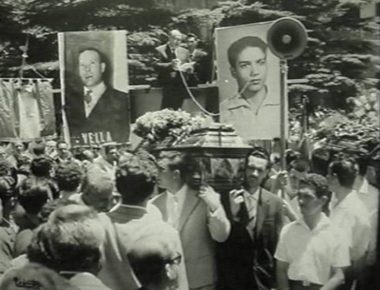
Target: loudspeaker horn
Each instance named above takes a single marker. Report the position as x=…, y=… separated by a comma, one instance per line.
x=287, y=38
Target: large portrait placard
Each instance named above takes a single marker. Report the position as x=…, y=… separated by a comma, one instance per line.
x=248, y=81
x=94, y=81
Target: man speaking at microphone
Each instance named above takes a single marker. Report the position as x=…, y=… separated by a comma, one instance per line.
x=172, y=60
x=253, y=111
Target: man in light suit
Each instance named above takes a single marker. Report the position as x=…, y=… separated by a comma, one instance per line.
x=132, y=220
x=196, y=211
x=256, y=217
x=171, y=58
x=96, y=107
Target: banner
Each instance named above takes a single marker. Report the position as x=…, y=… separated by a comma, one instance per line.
x=248, y=81
x=26, y=109
x=94, y=82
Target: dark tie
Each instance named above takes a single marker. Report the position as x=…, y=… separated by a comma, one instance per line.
x=88, y=97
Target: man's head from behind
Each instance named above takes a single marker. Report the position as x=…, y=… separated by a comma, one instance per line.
x=69, y=241
x=69, y=176
x=41, y=166
x=136, y=179
x=92, y=66
x=342, y=173
x=313, y=194
x=155, y=262
x=248, y=63
x=33, y=194
x=97, y=188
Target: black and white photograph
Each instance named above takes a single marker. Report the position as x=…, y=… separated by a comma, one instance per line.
x=95, y=99
x=189, y=145
x=248, y=81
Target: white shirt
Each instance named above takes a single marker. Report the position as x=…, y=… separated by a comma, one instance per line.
x=351, y=216
x=251, y=204
x=96, y=94
x=174, y=205
x=369, y=195
x=312, y=253
x=252, y=122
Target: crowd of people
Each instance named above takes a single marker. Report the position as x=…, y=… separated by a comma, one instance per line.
x=105, y=217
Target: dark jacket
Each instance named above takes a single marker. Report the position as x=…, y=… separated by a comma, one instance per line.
x=111, y=114
x=238, y=254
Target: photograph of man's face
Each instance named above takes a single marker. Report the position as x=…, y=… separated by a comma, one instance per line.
x=248, y=81
x=250, y=67
x=91, y=68
x=95, y=81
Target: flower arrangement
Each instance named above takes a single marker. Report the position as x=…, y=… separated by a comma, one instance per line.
x=155, y=127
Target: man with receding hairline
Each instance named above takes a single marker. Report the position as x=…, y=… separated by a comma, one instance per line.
x=96, y=107
x=170, y=58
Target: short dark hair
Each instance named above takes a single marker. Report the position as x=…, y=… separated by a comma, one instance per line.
x=39, y=149
x=7, y=188
x=69, y=176
x=5, y=167
x=260, y=152
x=299, y=164
x=178, y=160
x=318, y=182
x=242, y=43
x=33, y=194
x=362, y=161
x=41, y=166
x=345, y=170
x=191, y=35
x=102, y=57
x=136, y=178
x=108, y=148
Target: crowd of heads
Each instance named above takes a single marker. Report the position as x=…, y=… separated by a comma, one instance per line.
x=67, y=237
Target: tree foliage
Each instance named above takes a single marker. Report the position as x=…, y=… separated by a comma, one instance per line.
x=340, y=61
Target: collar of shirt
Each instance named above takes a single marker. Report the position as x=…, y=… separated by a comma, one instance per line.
x=251, y=202
x=254, y=196
x=345, y=203
x=238, y=100
x=130, y=210
x=96, y=94
x=323, y=223
x=180, y=196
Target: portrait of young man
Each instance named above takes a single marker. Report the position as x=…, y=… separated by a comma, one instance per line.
x=96, y=111
x=249, y=84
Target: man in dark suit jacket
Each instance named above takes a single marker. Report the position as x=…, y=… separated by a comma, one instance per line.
x=96, y=108
x=171, y=59
x=246, y=257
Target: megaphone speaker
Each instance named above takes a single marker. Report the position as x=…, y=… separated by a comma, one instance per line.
x=287, y=38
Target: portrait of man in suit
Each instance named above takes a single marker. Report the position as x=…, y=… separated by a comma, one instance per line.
x=96, y=112
x=96, y=107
